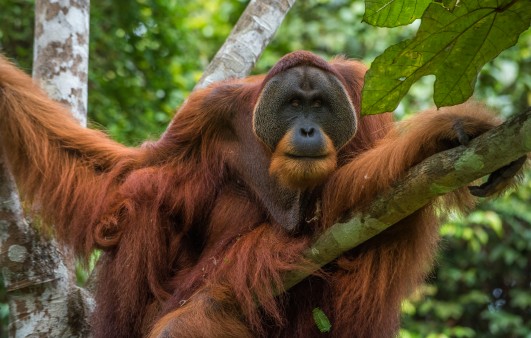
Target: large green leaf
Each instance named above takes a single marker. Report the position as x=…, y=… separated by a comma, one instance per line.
x=452, y=45
x=392, y=13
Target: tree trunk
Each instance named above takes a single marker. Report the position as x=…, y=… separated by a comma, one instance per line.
x=38, y=274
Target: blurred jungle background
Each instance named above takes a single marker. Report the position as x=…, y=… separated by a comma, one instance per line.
x=146, y=56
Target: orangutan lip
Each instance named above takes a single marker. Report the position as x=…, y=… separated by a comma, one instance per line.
x=306, y=157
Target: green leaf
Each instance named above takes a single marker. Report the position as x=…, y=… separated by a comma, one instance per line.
x=392, y=13
x=452, y=45
x=450, y=4
x=321, y=320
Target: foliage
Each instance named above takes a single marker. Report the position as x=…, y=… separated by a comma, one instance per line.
x=384, y=13
x=481, y=285
x=452, y=44
x=16, y=31
x=146, y=56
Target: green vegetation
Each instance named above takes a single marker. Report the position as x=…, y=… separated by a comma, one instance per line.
x=452, y=45
x=146, y=56
x=480, y=287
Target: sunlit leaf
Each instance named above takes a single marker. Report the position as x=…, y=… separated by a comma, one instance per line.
x=392, y=13
x=452, y=45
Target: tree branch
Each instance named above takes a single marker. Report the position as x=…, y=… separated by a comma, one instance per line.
x=248, y=39
x=436, y=176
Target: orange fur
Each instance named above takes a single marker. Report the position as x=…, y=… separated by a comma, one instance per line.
x=301, y=173
x=396, y=261
x=191, y=245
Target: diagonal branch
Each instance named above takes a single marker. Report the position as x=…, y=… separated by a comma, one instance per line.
x=437, y=175
x=248, y=39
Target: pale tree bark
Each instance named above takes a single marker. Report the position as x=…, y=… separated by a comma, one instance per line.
x=61, y=52
x=43, y=298
x=248, y=39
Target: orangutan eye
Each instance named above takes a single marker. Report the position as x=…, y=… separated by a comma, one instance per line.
x=316, y=104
